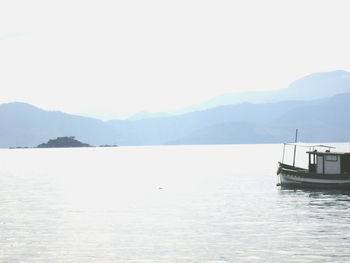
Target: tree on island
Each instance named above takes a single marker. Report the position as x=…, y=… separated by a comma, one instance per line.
x=62, y=142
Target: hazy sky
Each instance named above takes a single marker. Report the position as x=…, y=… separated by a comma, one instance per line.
x=111, y=58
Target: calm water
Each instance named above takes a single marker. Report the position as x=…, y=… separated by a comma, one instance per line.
x=164, y=204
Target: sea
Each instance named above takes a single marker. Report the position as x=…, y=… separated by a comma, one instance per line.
x=207, y=203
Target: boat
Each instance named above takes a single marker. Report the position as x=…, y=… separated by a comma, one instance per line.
x=327, y=169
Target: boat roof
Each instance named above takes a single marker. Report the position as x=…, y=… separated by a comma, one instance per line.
x=309, y=145
x=313, y=148
x=329, y=153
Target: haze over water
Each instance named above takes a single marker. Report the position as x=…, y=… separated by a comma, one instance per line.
x=164, y=204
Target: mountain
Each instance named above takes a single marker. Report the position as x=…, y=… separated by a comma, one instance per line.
x=311, y=87
x=266, y=123
x=22, y=124
x=325, y=120
x=163, y=130
x=322, y=119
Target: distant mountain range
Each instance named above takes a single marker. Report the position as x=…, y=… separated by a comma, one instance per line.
x=311, y=87
x=325, y=119
x=23, y=125
x=317, y=120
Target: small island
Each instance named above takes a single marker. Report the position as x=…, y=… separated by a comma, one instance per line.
x=63, y=142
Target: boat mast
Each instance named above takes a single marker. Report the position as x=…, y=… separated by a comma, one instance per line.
x=295, y=146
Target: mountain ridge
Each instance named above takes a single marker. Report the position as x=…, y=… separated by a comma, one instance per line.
x=24, y=125
x=323, y=120
x=310, y=87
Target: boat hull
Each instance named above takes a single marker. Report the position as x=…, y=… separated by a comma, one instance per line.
x=288, y=180
x=298, y=177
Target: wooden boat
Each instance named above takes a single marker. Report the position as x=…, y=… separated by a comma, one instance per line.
x=325, y=169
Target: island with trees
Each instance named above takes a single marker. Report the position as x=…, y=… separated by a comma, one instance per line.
x=63, y=142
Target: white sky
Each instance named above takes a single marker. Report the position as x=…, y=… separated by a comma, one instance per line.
x=111, y=58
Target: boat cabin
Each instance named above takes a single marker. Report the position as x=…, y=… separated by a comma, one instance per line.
x=329, y=162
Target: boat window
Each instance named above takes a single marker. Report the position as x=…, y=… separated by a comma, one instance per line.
x=332, y=158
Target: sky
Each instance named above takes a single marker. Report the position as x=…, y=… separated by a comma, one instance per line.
x=110, y=59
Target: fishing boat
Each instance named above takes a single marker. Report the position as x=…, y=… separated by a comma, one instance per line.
x=326, y=168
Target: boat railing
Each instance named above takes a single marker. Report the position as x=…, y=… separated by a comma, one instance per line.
x=291, y=167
